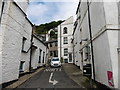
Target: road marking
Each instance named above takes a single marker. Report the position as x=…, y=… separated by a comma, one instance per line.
x=57, y=69
x=54, y=82
x=52, y=69
x=60, y=69
x=50, y=77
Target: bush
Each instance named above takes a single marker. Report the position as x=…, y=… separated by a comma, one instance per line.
x=61, y=60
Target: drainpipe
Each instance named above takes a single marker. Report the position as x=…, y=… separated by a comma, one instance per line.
x=31, y=51
x=73, y=51
x=60, y=43
x=46, y=61
x=30, y=55
x=91, y=42
x=119, y=46
x=2, y=9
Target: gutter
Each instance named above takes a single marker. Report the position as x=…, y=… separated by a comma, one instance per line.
x=23, y=12
x=29, y=21
x=18, y=7
x=78, y=6
x=2, y=9
x=38, y=39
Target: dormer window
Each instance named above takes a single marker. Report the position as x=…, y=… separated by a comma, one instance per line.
x=65, y=30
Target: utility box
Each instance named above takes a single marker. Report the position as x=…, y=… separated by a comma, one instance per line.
x=87, y=70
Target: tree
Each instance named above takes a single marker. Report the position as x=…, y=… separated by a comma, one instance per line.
x=53, y=35
x=44, y=28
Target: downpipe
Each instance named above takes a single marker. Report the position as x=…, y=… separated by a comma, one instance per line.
x=2, y=9
x=91, y=42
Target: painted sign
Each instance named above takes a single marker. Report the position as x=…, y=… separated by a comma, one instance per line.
x=110, y=78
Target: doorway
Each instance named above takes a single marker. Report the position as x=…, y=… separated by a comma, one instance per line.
x=70, y=58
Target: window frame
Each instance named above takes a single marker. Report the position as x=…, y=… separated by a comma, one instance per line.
x=43, y=57
x=40, y=54
x=50, y=44
x=56, y=44
x=65, y=30
x=51, y=53
x=65, y=51
x=23, y=43
x=21, y=67
x=65, y=40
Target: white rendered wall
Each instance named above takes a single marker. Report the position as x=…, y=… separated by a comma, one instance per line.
x=69, y=24
x=0, y=6
x=15, y=27
x=77, y=48
x=105, y=43
x=23, y=4
x=35, y=56
x=102, y=58
x=112, y=22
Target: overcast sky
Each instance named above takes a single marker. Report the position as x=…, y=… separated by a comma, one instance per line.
x=41, y=12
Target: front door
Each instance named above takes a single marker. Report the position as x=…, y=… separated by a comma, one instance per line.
x=70, y=58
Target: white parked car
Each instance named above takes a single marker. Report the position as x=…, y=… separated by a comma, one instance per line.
x=55, y=62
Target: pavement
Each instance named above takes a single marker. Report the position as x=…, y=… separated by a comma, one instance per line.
x=76, y=75
x=23, y=79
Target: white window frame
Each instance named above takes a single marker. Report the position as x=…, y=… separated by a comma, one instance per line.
x=23, y=44
x=65, y=51
x=65, y=30
x=65, y=40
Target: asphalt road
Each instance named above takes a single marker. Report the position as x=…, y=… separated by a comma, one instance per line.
x=48, y=77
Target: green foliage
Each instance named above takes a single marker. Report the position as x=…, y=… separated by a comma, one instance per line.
x=61, y=60
x=53, y=35
x=44, y=28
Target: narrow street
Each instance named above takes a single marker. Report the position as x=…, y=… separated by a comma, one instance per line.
x=46, y=78
x=59, y=44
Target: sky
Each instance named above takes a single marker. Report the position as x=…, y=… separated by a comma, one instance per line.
x=40, y=12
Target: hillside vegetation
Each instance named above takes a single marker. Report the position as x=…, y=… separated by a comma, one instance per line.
x=44, y=28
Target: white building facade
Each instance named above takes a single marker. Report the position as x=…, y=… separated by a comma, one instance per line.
x=15, y=40
x=96, y=34
x=39, y=53
x=65, y=47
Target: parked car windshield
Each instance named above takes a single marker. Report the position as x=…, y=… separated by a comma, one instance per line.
x=55, y=59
